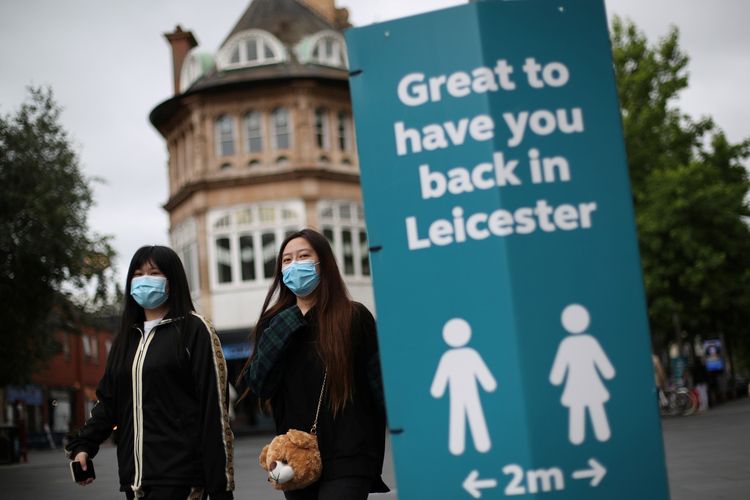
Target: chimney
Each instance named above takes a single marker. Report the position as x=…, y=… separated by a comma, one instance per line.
x=181, y=43
x=325, y=8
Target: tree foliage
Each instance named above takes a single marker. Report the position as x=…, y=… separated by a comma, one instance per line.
x=48, y=260
x=690, y=190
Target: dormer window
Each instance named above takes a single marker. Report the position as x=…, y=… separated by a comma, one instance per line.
x=325, y=47
x=250, y=48
x=196, y=65
x=330, y=51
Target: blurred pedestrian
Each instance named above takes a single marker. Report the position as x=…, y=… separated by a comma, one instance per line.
x=660, y=378
x=165, y=389
x=700, y=382
x=314, y=337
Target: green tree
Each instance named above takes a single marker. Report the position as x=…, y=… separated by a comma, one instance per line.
x=48, y=260
x=690, y=191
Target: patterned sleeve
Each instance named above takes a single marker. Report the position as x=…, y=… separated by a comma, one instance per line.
x=210, y=378
x=263, y=374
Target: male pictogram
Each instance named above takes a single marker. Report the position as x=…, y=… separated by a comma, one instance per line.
x=459, y=370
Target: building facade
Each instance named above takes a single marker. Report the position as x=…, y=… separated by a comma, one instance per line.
x=62, y=393
x=261, y=143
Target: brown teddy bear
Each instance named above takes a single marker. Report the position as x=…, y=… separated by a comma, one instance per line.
x=292, y=460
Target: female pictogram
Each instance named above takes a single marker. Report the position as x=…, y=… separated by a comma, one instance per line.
x=581, y=363
x=459, y=370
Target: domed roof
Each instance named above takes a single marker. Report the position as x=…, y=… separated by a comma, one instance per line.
x=283, y=25
x=287, y=20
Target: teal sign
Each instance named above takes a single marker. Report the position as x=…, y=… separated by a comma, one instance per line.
x=513, y=329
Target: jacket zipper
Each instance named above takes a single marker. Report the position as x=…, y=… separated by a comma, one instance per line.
x=137, y=375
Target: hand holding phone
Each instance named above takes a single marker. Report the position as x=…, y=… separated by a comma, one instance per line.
x=81, y=476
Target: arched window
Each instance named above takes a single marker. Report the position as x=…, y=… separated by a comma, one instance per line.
x=224, y=135
x=325, y=47
x=282, y=130
x=250, y=48
x=321, y=128
x=253, y=132
x=330, y=50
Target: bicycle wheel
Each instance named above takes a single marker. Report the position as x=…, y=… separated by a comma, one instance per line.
x=694, y=403
x=681, y=402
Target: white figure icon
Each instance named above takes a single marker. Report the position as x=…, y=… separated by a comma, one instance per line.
x=581, y=363
x=459, y=370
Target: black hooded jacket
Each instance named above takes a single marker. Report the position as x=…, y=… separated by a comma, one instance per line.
x=177, y=433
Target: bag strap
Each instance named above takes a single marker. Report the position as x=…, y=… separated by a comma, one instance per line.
x=314, y=428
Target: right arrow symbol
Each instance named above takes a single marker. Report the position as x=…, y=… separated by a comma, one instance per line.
x=596, y=472
x=472, y=484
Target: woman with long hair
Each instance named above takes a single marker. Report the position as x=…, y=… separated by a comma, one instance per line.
x=312, y=338
x=165, y=390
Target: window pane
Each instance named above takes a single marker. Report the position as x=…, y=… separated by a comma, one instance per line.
x=345, y=211
x=235, y=57
x=343, y=129
x=86, y=342
x=188, y=256
x=281, y=128
x=267, y=52
x=268, y=241
x=253, y=132
x=267, y=214
x=288, y=214
x=224, y=136
x=223, y=222
x=328, y=233
x=327, y=213
x=321, y=128
x=245, y=216
x=252, y=49
x=348, y=251
x=247, y=258
x=223, y=261
x=254, y=144
x=364, y=253
x=329, y=44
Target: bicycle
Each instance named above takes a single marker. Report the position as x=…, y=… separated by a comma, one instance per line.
x=679, y=401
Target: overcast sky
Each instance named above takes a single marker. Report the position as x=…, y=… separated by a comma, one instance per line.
x=109, y=65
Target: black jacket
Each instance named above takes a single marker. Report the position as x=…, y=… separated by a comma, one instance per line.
x=177, y=433
x=287, y=369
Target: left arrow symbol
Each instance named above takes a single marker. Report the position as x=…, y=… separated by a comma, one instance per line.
x=473, y=485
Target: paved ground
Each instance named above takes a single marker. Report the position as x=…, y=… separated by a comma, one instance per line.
x=708, y=457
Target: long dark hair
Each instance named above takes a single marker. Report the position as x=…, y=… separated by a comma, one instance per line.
x=333, y=311
x=179, y=302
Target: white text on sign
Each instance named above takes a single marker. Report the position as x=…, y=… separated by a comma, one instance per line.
x=506, y=170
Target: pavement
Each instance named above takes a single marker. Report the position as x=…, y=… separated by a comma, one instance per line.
x=708, y=457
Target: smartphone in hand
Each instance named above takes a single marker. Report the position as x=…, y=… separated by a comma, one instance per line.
x=80, y=475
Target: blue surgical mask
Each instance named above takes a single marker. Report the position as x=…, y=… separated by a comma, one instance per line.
x=149, y=291
x=301, y=277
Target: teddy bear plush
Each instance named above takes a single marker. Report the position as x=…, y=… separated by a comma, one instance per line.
x=292, y=460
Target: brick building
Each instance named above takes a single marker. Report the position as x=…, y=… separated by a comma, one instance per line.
x=63, y=392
